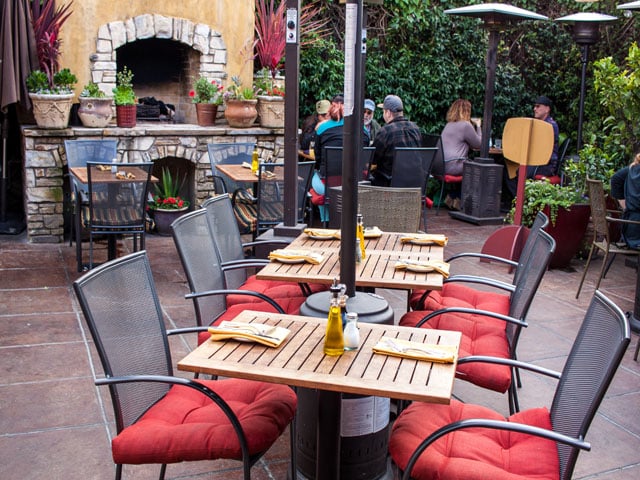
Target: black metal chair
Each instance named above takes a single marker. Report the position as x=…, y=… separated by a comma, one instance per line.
x=78, y=153
x=117, y=206
x=535, y=443
x=161, y=418
x=411, y=169
x=256, y=214
x=229, y=153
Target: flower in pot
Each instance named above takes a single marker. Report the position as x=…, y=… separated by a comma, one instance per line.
x=270, y=101
x=568, y=213
x=125, y=99
x=207, y=95
x=51, y=97
x=166, y=203
x=240, y=102
x=95, y=107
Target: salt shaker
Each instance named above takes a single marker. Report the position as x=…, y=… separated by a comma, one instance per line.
x=351, y=332
x=114, y=165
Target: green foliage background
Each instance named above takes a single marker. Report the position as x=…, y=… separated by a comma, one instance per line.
x=429, y=59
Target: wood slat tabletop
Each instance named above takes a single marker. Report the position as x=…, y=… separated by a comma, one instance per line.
x=107, y=176
x=300, y=361
x=387, y=242
x=241, y=174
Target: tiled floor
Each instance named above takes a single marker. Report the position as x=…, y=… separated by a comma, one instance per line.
x=54, y=423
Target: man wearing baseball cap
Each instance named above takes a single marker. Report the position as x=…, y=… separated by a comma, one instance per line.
x=371, y=126
x=398, y=132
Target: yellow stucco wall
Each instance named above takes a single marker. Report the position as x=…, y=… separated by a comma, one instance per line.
x=232, y=18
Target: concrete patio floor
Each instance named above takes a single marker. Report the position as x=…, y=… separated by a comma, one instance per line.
x=55, y=423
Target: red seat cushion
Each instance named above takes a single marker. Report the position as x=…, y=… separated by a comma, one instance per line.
x=481, y=335
x=554, y=179
x=274, y=289
x=473, y=453
x=186, y=425
x=453, y=178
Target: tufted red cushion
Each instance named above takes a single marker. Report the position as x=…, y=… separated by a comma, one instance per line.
x=272, y=288
x=234, y=310
x=474, y=453
x=480, y=335
x=186, y=425
x=553, y=180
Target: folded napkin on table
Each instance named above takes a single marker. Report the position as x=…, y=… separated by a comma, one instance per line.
x=124, y=175
x=416, y=350
x=425, y=239
x=322, y=232
x=103, y=168
x=285, y=254
x=372, y=232
x=246, y=165
x=424, y=266
x=256, y=332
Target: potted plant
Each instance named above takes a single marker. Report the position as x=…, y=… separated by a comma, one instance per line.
x=95, y=107
x=207, y=95
x=240, y=103
x=125, y=99
x=270, y=101
x=568, y=213
x=166, y=203
x=51, y=97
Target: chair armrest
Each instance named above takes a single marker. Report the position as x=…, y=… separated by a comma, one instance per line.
x=224, y=406
x=483, y=255
x=248, y=293
x=181, y=331
x=622, y=220
x=473, y=311
x=510, y=362
x=258, y=243
x=248, y=263
x=243, y=195
x=496, y=425
x=509, y=287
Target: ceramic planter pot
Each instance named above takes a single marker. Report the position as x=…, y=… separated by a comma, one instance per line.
x=206, y=113
x=241, y=113
x=126, y=115
x=164, y=219
x=568, y=232
x=51, y=111
x=95, y=112
x=271, y=111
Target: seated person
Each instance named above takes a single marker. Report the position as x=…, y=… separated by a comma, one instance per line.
x=625, y=187
x=397, y=132
x=308, y=137
x=458, y=136
x=371, y=126
x=541, y=111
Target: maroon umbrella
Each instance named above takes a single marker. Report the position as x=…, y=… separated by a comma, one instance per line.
x=17, y=52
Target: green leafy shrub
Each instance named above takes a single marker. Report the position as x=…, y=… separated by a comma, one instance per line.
x=123, y=93
x=92, y=90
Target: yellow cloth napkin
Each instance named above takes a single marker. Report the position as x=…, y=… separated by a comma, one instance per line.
x=424, y=266
x=103, y=168
x=425, y=239
x=124, y=175
x=416, y=350
x=256, y=332
x=286, y=255
x=322, y=232
x=372, y=232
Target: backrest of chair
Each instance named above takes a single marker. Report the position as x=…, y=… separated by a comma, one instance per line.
x=226, y=236
x=119, y=203
x=305, y=172
x=562, y=154
x=593, y=360
x=412, y=167
x=79, y=152
x=598, y=205
x=434, y=140
x=196, y=248
x=390, y=209
x=539, y=223
x=231, y=154
x=121, y=308
x=270, y=208
x=529, y=280
x=332, y=167
x=365, y=162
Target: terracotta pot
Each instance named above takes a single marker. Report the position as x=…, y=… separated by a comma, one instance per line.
x=271, y=111
x=241, y=113
x=51, y=111
x=95, y=112
x=568, y=232
x=126, y=116
x=164, y=219
x=206, y=113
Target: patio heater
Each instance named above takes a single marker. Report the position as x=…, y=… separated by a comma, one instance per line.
x=586, y=32
x=634, y=317
x=484, y=178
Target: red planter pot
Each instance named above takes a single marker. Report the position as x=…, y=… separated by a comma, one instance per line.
x=126, y=116
x=568, y=232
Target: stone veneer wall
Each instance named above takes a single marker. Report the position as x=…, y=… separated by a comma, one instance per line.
x=45, y=162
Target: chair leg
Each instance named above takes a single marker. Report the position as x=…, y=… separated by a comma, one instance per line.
x=606, y=269
x=635, y=356
x=584, y=273
x=440, y=199
x=602, y=269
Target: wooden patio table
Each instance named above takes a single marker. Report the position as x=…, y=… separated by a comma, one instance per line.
x=300, y=362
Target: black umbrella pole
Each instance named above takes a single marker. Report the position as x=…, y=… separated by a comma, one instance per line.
x=489, y=92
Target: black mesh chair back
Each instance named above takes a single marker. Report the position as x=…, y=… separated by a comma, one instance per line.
x=594, y=358
x=365, y=162
x=197, y=251
x=529, y=279
x=226, y=235
x=433, y=140
x=562, y=156
x=117, y=206
x=127, y=347
x=229, y=153
x=540, y=223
